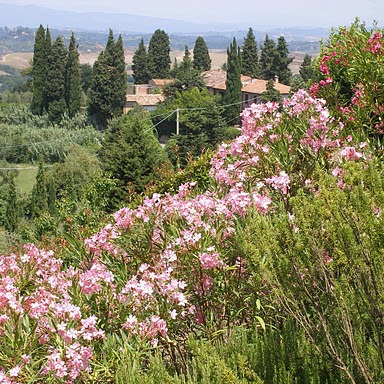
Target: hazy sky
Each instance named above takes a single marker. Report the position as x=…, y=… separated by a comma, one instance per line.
x=251, y=12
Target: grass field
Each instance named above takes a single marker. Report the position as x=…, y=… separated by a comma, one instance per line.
x=26, y=177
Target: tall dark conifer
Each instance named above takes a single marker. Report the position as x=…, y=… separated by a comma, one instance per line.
x=201, y=58
x=282, y=61
x=232, y=96
x=11, y=218
x=249, y=56
x=39, y=72
x=73, y=79
x=39, y=203
x=159, y=61
x=109, y=83
x=268, y=59
x=119, y=78
x=140, y=64
x=306, y=71
x=55, y=80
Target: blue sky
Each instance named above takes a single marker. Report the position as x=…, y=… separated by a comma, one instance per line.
x=323, y=13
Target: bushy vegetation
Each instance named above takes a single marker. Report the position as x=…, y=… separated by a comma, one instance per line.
x=259, y=262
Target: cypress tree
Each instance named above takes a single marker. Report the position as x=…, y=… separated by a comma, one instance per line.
x=99, y=93
x=109, y=83
x=39, y=72
x=268, y=59
x=55, y=80
x=39, y=202
x=11, y=218
x=73, y=79
x=306, y=71
x=159, y=61
x=140, y=64
x=233, y=84
x=201, y=58
x=249, y=56
x=282, y=61
x=119, y=78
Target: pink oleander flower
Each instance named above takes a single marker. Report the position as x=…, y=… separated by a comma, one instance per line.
x=210, y=260
x=279, y=182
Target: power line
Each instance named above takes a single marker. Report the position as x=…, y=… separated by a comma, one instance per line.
x=148, y=118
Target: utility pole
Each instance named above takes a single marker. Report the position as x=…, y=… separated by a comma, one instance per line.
x=177, y=121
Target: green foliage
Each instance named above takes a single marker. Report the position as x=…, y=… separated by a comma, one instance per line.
x=232, y=96
x=323, y=261
x=39, y=72
x=282, y=61
x=201, y=124
x=351, y=77
x=201, y=58
x=131, y=153
x=73, y=90
x=86, y=77
x=159, y=61
x=306, y=70
x=267, y=59
x=55, y=81
x=12, y=213
x=271, y=93
x=76, y=173
x=250, y=57
x=109, y=83
x=39, y=200
x=186, y=77
x=25, y=136
x=140, y=64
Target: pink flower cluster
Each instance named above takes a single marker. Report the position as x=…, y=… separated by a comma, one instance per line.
x=35, y=290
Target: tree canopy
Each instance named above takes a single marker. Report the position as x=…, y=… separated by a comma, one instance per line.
x=109, y=83
x=140, y=64
x=201, y=58
x=159, y=61
x=249, y=56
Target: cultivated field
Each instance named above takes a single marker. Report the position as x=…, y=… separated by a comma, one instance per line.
x=218, y=56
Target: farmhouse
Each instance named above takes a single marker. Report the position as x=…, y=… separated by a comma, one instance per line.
x=149, y=95
x=146, y=95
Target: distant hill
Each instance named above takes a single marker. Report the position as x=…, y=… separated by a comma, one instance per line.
x=32, y=16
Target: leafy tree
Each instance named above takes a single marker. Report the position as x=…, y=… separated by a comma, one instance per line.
x=232, y=96
x=76, y=173
x=282, y=61
x=39, y=72
x=12, y=217
x=131, y=152
x=201, y=58
x=201, y=124
x=55, y=80
x=306, y=71
x=159, y=61
x=140, y=64
x=73, y=79
x=268, y=59
x=249, y=56
x=109, y=82
x=271, y=93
